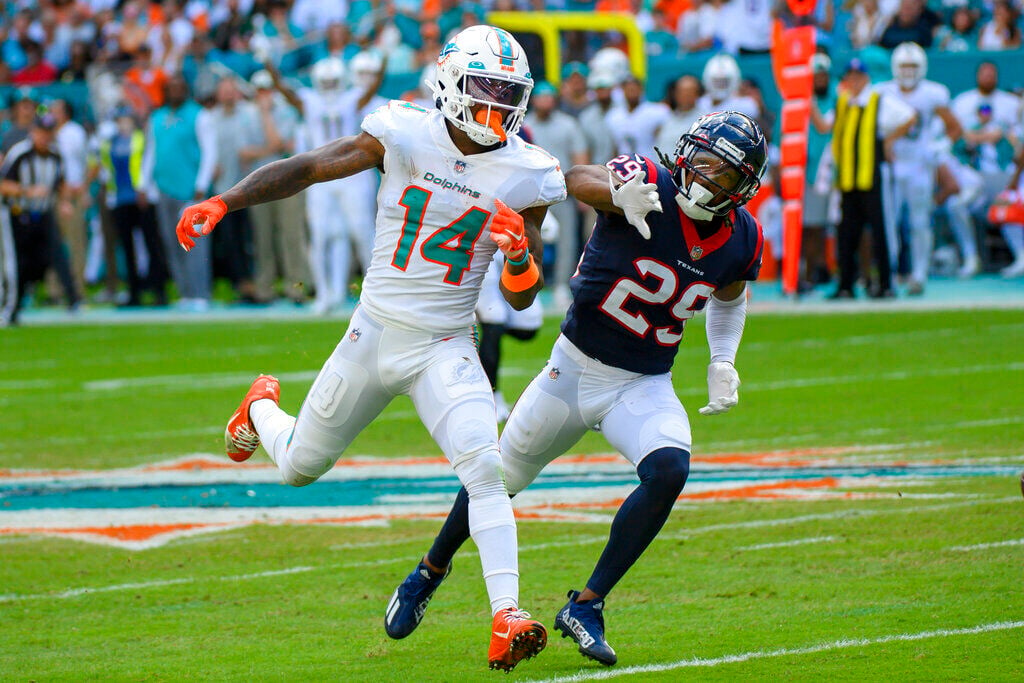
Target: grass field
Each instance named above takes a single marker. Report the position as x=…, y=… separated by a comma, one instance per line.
x=913, y=571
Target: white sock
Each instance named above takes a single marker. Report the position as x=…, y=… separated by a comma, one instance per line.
x=273, y=425
x=1013, y=233
x=493, y=528
x=963, y=227
x=920, y=253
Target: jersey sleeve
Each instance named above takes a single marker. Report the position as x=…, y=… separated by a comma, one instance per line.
x=9, y=169
x=544, y=182
x=552, y=188
x=393, y=122
x=625, y=166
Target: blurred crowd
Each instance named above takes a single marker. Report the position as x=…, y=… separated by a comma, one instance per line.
x=186, y=98
x=58, y=40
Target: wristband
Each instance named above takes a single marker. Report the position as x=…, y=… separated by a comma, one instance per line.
x=523, y=281
x=521, y=261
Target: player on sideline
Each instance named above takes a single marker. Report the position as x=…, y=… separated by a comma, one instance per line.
x=446, y=174
x=642, y=276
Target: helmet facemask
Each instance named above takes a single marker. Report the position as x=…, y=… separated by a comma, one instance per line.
x=908, y=75
x=712, y=179
x=328, y=76
x=488, y=108
x=483, y=83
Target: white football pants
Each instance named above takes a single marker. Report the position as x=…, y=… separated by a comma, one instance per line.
x=636, y=413
x=442, y=375
x=916, y=190
x=339, y=215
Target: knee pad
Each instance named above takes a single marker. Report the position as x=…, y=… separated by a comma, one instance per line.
x=292, y=478
x=481, y=473
x=665, y=470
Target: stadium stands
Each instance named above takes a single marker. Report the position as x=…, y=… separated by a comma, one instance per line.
x=99, y=55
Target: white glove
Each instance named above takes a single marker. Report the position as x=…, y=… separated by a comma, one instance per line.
x=260, y=47
x=723, y=388
x=636, y=199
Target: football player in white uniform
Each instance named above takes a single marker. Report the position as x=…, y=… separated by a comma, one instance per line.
x=329, y=112
x=447, y=174
x=358, y=193
x=912, y=158
x=721, y=80
x=958, y=189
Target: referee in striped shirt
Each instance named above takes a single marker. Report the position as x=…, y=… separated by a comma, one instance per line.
x=32, y=186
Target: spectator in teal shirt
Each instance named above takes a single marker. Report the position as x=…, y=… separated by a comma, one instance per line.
x=180, y=157
x=816, y=195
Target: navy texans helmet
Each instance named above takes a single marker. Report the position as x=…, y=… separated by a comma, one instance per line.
x=719, y=164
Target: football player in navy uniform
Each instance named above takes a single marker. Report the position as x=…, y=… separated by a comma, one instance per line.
x=642, y=276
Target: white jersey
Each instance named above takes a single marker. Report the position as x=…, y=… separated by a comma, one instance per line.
x=327, y=117
x=362, y=185
x=634, y=131
x=1003, y=116
x=744, y=105
x=431, y=250
x=915, y=150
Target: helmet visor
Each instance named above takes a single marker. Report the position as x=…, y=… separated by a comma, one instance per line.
x=716, y=175
x=496, y=91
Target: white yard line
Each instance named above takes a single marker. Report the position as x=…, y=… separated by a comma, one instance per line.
x=76, y=592
x=874, y=431
x=218, y=379
x=700, y=662
x=986, y=546
x=787, y=544
x=576, y=541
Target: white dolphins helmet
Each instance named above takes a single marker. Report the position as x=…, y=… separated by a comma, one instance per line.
x=721, y=77
x=365, y=67
x=483, y=83
x=328, y=75
x=611, y=62
x=909, y=65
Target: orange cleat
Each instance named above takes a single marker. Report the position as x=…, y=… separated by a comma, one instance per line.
x=240, y=437
x=515, y=637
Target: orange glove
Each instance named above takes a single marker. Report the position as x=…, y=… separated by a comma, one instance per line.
x=508, y=231
x=1008, y=207
x=204, y=216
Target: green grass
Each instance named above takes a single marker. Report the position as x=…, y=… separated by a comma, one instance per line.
x=936, y=385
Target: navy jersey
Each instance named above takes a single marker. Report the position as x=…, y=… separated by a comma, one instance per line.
x=632, y=297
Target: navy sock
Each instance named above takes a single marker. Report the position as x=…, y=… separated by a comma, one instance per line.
x=453, y=534
x=641, y=516
x=489, y=349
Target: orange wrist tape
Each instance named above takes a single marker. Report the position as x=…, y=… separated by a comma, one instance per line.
x=523, y=281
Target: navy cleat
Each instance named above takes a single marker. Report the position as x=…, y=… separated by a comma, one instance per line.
x=584, y=623
x=409, y=603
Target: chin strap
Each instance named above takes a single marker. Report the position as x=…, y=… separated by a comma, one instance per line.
x=688, y=204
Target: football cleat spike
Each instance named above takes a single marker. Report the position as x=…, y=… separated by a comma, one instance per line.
x=584, y=623
x=409, y=602
x=240, y=437
x=514, y=637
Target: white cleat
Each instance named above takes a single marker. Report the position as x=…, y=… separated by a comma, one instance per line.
x=1015, y=269
x=970, y=268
